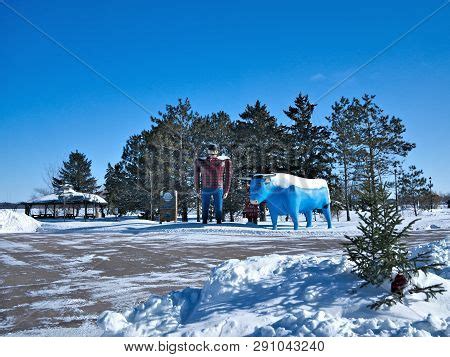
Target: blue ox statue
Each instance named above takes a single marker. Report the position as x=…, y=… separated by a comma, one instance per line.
x=288, y=194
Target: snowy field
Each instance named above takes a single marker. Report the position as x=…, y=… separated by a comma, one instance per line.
x=61, y=278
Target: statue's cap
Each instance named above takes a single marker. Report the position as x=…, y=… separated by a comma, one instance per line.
x=213, y=147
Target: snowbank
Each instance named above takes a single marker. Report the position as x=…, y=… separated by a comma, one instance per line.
x=436, y=219
x=15, y=222
x=439, y=254
x=285, y=296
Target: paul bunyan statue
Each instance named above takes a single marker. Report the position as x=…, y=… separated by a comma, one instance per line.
x=212, y=178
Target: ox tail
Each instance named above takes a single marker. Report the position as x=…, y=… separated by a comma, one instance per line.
x=328, y=199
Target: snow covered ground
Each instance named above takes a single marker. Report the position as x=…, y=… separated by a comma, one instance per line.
x=286, y=296
x=17, y=222
x=437, y=219
x=58, y=280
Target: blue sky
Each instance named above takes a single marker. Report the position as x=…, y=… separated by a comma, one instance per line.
x=222, y=55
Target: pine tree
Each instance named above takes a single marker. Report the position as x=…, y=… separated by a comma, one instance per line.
x=343, y=127
x=76, y=171
x=116, y=189
x=379, y=139
x=259, y=143
x=259, y=139
x=337, y=195
x=176, y=136
x=412, y=186
x=136, y=194
x=380, y=251
x=310, y=149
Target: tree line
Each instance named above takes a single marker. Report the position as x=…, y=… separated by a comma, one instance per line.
x=360, y=144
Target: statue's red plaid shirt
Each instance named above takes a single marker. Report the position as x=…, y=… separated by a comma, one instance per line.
x=213, y=172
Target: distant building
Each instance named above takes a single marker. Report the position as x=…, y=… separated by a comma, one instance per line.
x=66, y=203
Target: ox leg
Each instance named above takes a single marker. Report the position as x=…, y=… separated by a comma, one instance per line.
x=294, y=217
x=274, y=218
x=327, y=213
x=308, y=215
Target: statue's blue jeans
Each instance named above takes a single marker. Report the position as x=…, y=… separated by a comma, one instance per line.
x=217, y=194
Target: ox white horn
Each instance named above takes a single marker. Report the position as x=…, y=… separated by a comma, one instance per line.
x=263, y=175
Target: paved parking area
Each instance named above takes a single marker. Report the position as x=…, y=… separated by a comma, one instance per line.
x=65, y=280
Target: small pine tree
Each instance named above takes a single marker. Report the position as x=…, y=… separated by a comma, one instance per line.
x=380, y=250
x=76, y=172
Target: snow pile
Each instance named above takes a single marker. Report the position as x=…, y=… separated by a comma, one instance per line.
x=285, y=296
x=15, y=222
x=323, y=324
x=438, y=254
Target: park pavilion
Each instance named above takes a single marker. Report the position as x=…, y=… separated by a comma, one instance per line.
x=66, y=203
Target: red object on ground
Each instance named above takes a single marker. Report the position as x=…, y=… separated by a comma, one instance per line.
x=399, y=284
x=251, y=211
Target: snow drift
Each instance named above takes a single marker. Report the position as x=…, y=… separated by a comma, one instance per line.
x=286, y=296
x=15, y=222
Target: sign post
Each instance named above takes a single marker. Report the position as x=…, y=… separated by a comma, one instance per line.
x=168, y=206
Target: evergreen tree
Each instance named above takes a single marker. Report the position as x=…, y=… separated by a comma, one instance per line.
x=259, y=139
x=380, y=251
x=379, y=139
x=310, y=149
x=412, y=186
x=259, y=143
x=343, y=127
x=76, y=171
x=136, y=195
x=116, y=189
x=148, y=166
x=176, y=136
x=337, y=195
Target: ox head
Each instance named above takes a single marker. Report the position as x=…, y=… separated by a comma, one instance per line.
x=260, y=187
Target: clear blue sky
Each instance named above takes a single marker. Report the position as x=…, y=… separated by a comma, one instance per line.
x=222, y=55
